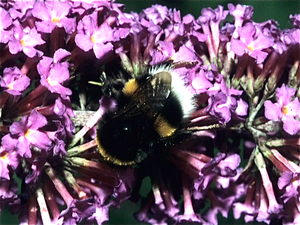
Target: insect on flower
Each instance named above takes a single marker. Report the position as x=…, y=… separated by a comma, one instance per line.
x=152, y=110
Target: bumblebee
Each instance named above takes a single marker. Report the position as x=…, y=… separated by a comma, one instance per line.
x=152, y=109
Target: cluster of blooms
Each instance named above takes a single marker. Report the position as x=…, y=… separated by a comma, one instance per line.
x=246, y=80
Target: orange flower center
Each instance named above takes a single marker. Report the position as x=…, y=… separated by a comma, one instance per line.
x=285, y=110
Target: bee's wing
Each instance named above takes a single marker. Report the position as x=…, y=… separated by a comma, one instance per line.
x=150, y=96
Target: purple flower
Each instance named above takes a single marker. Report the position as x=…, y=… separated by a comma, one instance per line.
x=286, y=109
x=25, y=39
x=28, y=134
x=13, y=81
x=53, y=14
x=8, y=159
x=241, y=13
x=157, y=14
x=77, y=211
x=54, y=73
x=90, y=36
x=82, y=6
x=21, y=9
x=252, y=42
x=290, y=183
x=37, y=167
x=291, y=37
x=224, y=102
x=200, y=82
x=5, y=22
x=164, y=52
x=5, y=19
x=58, y=138
x=295, y=20
x=101, y=214
x=210, y=22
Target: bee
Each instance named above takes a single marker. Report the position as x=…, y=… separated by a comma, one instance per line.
x=151, y=110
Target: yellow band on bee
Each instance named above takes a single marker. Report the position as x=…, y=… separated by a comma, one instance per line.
x=162, y=127
x=130, y=87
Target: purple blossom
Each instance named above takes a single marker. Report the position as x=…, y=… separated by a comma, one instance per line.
x=8, y=159
x=223, y=103
x=58, y=136
x=21, y=9
x=210, y=20
x=285, y=109
x=83, y=6
x=37, y=168
x=252, y=42
x=53, y=14
x=64, y=110
x=101, y=214
x=5, y=22
x=291, y=37
x=28, y=134
x=90, y=36
x=241, y=13
x=221, y=165
x=295, y=20
x=13, y=81
x=200, y=81
x=25, y=39
x=289, y=182
x=78, y=210
x=54, y=73
x=166, y=50
x=157, y=14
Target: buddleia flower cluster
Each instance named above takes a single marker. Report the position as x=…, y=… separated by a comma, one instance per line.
x=244, y=75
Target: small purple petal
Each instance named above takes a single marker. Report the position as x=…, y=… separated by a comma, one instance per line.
x=36, y=120
x=83, y=42
x=45, y=26
x=43, y=66
x=41, y=12
x=23, y=147
x=39, y=139
x=237, y=47
x=18, y=128
x=242, y=108
x=102, y=49
x=5, y=19
x=272, y=111
x=13, y=81
x=291, y=125
x=60, y=54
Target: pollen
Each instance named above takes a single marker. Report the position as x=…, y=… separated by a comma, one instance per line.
x=55, y=20
x=285, y=110
x=3, y=157
x=250, y=47
x=22, y=41
x=52, y=82
x=27, y=133
x=93, y=39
